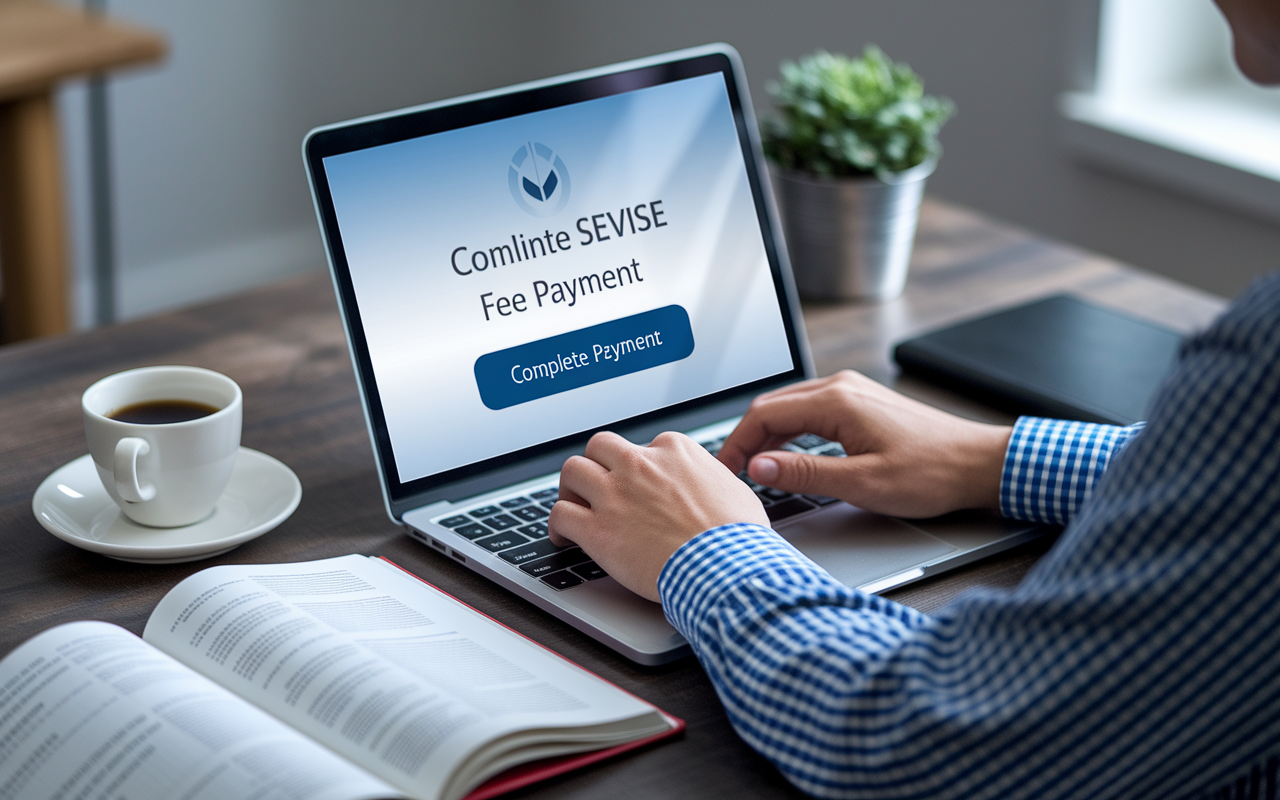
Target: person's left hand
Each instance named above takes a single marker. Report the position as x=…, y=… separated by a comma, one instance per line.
x=631, y=507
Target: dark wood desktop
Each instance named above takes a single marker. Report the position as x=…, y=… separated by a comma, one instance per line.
x=284, y=345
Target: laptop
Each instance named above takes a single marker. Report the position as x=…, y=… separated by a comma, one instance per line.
x=521, y=268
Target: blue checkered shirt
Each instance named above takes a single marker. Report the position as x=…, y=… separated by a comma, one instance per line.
x=1140, y=658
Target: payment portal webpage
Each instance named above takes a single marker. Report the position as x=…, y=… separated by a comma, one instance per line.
x=537, y=276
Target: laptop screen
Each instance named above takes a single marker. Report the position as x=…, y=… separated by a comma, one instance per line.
x=541, y=275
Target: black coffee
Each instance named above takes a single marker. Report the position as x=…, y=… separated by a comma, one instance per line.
x=161, y=412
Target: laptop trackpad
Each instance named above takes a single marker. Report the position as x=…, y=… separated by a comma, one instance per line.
x=858, y=547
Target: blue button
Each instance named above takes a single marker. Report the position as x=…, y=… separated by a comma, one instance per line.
x=583, y=357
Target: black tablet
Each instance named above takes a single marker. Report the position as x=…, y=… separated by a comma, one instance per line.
x=1058, y=357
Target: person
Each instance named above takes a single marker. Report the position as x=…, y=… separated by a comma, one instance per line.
x=1140, y=658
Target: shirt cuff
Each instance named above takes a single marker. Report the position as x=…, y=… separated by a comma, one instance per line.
x=1052, y=465
x=708, y=568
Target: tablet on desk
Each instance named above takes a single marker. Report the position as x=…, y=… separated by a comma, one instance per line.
x=1059, y=357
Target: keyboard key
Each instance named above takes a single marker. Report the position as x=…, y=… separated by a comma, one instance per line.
x=558, y=561
x=808, y=441
x=773, y=494
x=515, y=502
x=561, y=580
x=453, y=522
x=589, y=571
x=530, y=513
x=548, y=504
x=787, y=508
x=820, y=500
x=484, y=511
x=545, y=494
x=531, y=552
x=833, y=450
x=472, y=531
x=501, y=541
x=765, y=500
x=537, y=530
x=500, y=522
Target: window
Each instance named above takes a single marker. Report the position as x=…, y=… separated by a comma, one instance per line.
x=1168, y=104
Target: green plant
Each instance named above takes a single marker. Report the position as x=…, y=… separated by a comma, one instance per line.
x=840, y=117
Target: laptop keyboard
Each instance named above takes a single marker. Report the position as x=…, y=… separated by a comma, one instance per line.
x=515, y=529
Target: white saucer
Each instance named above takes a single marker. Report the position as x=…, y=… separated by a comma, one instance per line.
x=72, y=505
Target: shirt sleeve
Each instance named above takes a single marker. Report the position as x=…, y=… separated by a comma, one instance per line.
x=1136, y=661
x=788, y=648
x=1052, y=465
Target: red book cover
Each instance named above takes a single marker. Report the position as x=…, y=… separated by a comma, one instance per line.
x=534, y=771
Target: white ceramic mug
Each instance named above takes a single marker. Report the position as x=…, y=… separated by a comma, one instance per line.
x=170, y=474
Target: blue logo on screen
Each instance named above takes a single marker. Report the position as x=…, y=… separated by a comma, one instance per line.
x=539, y=180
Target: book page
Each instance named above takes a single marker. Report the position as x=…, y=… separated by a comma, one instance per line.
x=88, y=711
x=389, y=672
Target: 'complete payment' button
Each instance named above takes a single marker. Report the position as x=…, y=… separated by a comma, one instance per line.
x=583, y=357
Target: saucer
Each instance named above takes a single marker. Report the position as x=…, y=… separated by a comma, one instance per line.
x=72, y=505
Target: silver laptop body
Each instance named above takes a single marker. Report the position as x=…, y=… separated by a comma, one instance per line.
x=521, y=268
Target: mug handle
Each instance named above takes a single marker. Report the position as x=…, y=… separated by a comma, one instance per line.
x=128, y=486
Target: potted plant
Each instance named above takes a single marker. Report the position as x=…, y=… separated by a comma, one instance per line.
x=853, y=141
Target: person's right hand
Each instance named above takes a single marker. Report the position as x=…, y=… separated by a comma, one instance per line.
x=904, y=458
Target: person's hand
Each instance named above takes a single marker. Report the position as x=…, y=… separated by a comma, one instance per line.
x=631, y=507
x=905, y=458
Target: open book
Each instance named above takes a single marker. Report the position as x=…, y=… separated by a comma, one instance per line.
x=329, y=680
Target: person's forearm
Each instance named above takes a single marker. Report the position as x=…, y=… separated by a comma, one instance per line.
x=789, y=649
x=851, y=695
x=855, y=696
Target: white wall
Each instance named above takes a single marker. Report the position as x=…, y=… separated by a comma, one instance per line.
x=210, y=190
x=210, y=193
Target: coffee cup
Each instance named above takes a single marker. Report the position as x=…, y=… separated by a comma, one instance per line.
x=164, y=441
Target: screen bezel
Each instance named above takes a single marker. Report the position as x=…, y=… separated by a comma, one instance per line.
x=507, y=468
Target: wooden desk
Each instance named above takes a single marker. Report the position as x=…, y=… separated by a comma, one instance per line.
x=284, y=345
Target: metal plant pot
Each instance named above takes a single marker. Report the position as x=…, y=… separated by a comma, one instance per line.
x=850, y=238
